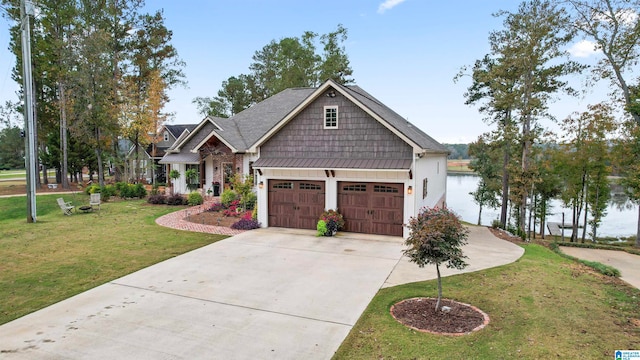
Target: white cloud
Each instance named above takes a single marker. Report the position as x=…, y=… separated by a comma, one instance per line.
x=628, y=16
x=388, y=5
x=583, y=49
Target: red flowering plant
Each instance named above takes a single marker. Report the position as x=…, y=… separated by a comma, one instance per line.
x=233, y=209
x=333, y=220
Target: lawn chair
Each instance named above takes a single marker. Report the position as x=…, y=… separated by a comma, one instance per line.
x=65, y=206
x=95, y=200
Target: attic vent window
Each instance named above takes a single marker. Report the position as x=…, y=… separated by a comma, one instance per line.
x=330, y=117
x=166, y=136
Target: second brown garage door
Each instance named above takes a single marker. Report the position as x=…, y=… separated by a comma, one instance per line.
x=372, y=208
x=295, y=204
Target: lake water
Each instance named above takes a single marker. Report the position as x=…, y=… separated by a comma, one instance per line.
x=621, y=218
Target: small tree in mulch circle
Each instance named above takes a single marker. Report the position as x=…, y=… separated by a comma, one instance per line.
x=436, y=237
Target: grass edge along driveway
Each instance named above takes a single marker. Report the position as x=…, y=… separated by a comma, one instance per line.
x=61, y=256
x=542, y=306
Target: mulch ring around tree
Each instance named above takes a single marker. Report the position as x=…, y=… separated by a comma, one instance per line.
x=420, y=314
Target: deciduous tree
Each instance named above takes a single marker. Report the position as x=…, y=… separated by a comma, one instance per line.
x=583, y=164
x=517, y=80
x=436, y=237
x=486, y=163
x=613, y=26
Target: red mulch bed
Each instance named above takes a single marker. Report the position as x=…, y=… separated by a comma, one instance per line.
x=213, y=218
x=420, y=314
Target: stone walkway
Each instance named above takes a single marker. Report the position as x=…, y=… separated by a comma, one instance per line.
x=176, y=220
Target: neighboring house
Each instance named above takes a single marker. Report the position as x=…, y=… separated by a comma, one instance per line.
x=146, y=165
x=329, y=147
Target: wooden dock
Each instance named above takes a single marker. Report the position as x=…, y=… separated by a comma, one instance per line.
x=555, y=229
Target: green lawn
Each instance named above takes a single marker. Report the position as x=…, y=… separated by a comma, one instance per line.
x=60, y=256
x=15, y=174
x=541, y=307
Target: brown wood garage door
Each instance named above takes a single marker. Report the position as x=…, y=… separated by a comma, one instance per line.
x=372, y=208
x=295, y=204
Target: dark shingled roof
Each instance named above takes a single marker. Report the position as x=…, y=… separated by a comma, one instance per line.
x=257, y=120
x=229, y=133
x=179, y=140
x=177, y=130
x=394, y=119
x=181, y=158
x=244, y=129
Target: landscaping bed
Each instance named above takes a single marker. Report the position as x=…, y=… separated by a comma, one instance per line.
x=216, y=218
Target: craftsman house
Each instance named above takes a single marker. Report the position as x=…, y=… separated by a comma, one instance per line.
x=145, y=165
x=329, y=147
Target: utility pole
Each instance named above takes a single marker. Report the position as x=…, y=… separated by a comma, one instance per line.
x=31, y=153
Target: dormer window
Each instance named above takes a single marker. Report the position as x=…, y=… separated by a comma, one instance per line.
x=166, y=136
x=330, y=117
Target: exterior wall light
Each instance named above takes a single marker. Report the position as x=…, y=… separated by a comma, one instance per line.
x=261, y=184
x=409, y=190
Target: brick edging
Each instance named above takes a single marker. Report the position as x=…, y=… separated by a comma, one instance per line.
x=176, y=220
x=485, y=322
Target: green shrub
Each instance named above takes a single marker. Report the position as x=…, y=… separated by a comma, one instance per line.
x=139, y=191
x=92, y=189
x=195, y=198
x=321, y=227
x=130, y=191
x=254, y=213
x=107, y=192
x=125, y=190
x=227, y=197
x=250, y=200
x=120, y=186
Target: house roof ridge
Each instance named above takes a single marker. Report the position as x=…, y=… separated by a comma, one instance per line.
x=365, y=94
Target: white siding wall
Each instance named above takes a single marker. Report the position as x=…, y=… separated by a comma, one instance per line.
x=180, y=184
x=434, y=169
x=208, y=173
x=249, y=157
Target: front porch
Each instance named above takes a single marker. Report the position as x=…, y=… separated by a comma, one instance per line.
x=210, y=170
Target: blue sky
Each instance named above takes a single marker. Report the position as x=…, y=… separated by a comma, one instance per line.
x=404, y=52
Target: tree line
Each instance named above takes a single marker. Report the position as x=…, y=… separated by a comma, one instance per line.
x=304, y=61
x=527, y=68
x=102, y=70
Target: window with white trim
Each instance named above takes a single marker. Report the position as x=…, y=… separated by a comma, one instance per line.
x=166, y=136
x=331, y=117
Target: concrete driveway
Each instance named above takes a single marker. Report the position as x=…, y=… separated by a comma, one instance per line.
x=628, y=264
x=265, y=294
